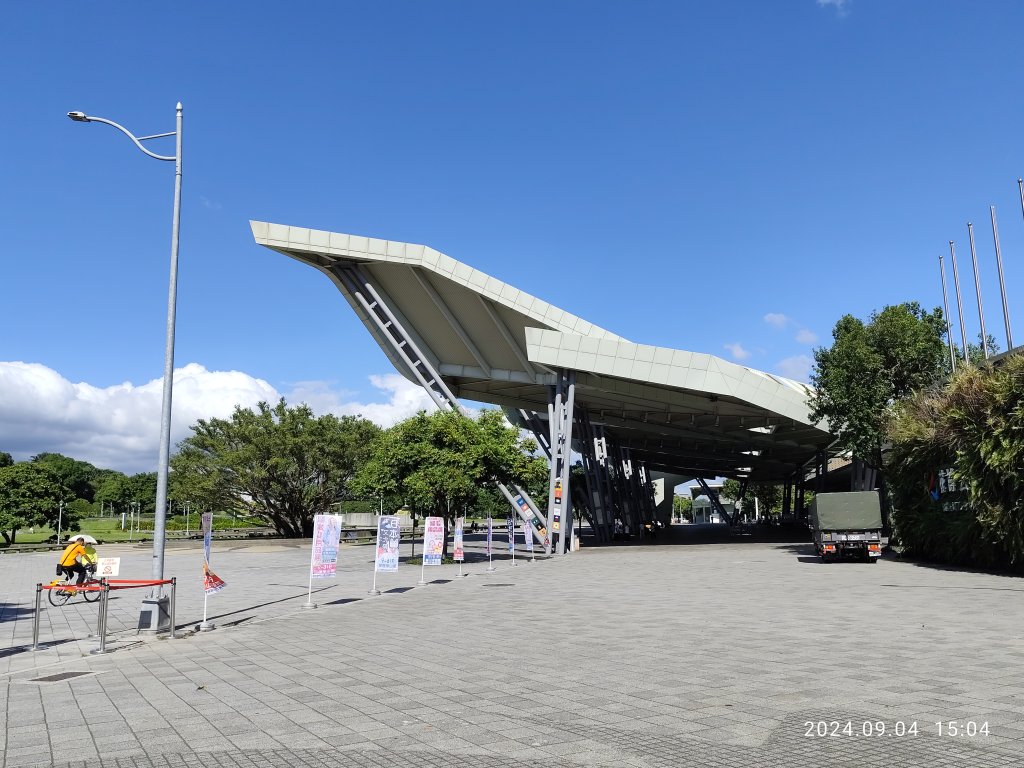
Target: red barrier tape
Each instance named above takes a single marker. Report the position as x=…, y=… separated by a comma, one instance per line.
x=128, y=584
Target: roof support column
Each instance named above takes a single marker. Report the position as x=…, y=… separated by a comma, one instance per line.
x=560, y=417
x=404, y=345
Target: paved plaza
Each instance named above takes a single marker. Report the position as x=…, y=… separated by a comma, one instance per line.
x=687, y=651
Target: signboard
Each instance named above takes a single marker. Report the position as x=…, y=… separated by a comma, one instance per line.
x=556, y=519
x=211, y=582
x=323, y=562
x=458, y=553
x=433, y=540
x=207, y=534
x=528, y=535
x=490, y=535
x=511, y=525
x=107, y=567
x=389, y=535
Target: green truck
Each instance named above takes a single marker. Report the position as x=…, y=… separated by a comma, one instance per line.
x=847, y=526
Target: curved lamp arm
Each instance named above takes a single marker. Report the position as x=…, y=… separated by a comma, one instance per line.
x=81, y=117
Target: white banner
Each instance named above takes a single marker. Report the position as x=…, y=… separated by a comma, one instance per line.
x=389, y=535
x=323, y=559
x=490, y=534
x=510, y=523
x=459, y=554
x=433, y=540
x=528, y=535
x=207, y=534
x=107, y=567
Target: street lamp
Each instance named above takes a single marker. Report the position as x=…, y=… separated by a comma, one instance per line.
x=159, y=524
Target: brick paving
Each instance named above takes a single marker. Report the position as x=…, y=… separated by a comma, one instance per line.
x=691, y=653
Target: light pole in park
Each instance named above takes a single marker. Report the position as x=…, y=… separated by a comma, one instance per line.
x=160, y=521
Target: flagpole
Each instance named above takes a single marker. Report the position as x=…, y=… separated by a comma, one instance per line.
x=977, y=287
x=959, y=303
x=1002, y=285
x=949, y=329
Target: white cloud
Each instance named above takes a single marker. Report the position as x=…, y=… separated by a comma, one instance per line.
x=210, y=205
x=805, y=336
x=737, y=351
x=839, y=5
x=405, y=399
x=776, y=320
x=797, y=367
x=118, y=427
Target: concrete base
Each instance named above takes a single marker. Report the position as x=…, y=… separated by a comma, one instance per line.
x=309, y=605
x=373, y=592
x=155, y=615
x=421, y=583
x=206, y=626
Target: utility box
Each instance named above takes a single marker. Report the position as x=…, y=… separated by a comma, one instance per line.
x=155, y=616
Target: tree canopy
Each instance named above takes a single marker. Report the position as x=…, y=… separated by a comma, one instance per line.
x=31, y=494
x=280, y=463
x=872, y=365
x=439, y=463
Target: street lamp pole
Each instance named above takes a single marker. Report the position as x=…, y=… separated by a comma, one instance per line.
x=160, y=521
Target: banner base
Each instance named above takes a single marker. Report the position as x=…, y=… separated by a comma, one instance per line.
x=206, y=626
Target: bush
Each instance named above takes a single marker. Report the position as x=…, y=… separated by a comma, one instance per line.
x=970, y=433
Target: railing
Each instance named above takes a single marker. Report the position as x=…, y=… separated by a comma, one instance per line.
x=104, y=586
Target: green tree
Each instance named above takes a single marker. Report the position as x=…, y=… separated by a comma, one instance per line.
x=31, y=494
x=439, y=463
x=871, y=366
x=6, y=459
x=279, y=463
x=682, y=508
x=76, y=475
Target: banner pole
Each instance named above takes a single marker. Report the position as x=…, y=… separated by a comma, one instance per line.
x=317, y=535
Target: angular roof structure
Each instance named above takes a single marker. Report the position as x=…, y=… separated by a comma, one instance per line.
x=681, y=412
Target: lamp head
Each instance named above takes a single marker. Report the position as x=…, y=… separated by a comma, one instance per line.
x=78, y=117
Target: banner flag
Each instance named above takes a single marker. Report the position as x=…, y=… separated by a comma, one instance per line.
x=323, y=560
x=211, y=581
x=458, y=554
x=389, y=535
x=511, y=524
x=433, y=540
x=490, y=534
x=528, y=535
x=207, y=534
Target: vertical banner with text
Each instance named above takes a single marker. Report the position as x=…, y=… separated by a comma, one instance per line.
x=212, y=583
x=528, y=537
x=389, y=534
x=323, y=559
x=490, y=534
x=511, y=525
x=207, y=534
x=458, y=553
x=433, y=540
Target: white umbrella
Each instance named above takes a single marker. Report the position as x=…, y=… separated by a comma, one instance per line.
x=88, y=539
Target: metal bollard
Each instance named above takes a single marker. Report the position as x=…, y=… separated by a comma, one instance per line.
x=35, y=620
x=174, y=589
x=99, y=611
x=104, y=599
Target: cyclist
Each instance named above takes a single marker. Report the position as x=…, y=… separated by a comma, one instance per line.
x=69, y=564
x=90, y=559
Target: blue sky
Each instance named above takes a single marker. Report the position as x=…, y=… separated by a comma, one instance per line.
x=724, y=177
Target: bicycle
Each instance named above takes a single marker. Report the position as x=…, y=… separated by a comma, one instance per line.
x=63, y=589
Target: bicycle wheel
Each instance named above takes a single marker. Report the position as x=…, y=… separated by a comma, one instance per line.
x=57, y=596
x=91, y=596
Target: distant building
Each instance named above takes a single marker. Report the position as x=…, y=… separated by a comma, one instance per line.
x=703, y=509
